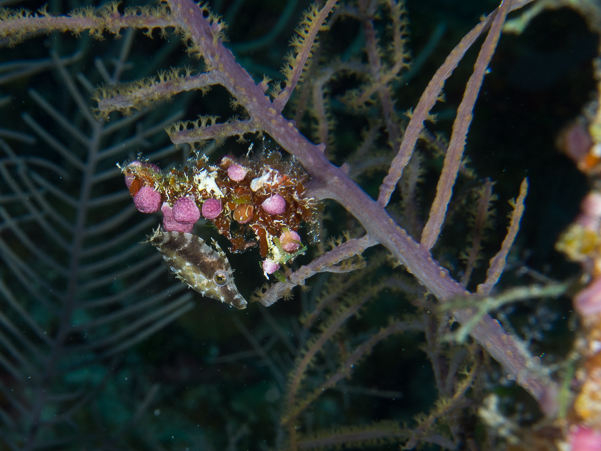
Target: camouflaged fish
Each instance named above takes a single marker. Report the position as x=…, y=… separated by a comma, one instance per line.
x=203, y=268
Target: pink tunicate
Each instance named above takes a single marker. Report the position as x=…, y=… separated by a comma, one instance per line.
x=147, y=200
x=211, y=208
x=236, y=172
x=269, y=266
x=153, y=166
x=577, y=143
x=590, y=212
x=185, y=210
x=584, y=439
x=170, y=224
x=274, y=205
x=588, y=300
x=290, y=241
x=129, y=179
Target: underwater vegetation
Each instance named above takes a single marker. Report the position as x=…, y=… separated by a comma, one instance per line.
x=374, y=185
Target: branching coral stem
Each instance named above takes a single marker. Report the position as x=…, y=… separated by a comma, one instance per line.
x=331, y=182
x=461, y=125
x=428, y=99
x=202, y=35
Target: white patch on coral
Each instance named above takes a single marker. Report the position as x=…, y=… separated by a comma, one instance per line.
x=269, y=178
x=275, y=254
x=206, y=180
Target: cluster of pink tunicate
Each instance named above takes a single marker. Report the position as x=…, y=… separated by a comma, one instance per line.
x=259, y=197
x=184, y=213
x=182, y=216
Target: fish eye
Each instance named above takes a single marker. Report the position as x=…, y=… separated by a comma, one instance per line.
x=220, y=278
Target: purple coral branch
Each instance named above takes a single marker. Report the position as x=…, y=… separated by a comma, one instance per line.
x=301, y=59
x=485, y=197
x=133, y=95
x=323, y=263
x=382, y=76
x=215, y=131
x=497, y=263
x=329, y=181
x=429, y=97
x=452, y=161
x=16, y=25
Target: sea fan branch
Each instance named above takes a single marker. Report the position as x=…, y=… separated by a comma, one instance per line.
x=461, y=125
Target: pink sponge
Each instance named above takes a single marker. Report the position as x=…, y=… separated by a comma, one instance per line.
x=584, y=439
x=147, y=200
x=186, y=211
x=269, y=266
x=211, y=208
x=290, y=240
x=130, y=178
x=236, y=172
x=170, y=224
x=274, y=205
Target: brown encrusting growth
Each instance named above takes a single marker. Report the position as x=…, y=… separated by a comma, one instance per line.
x=261, y=197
